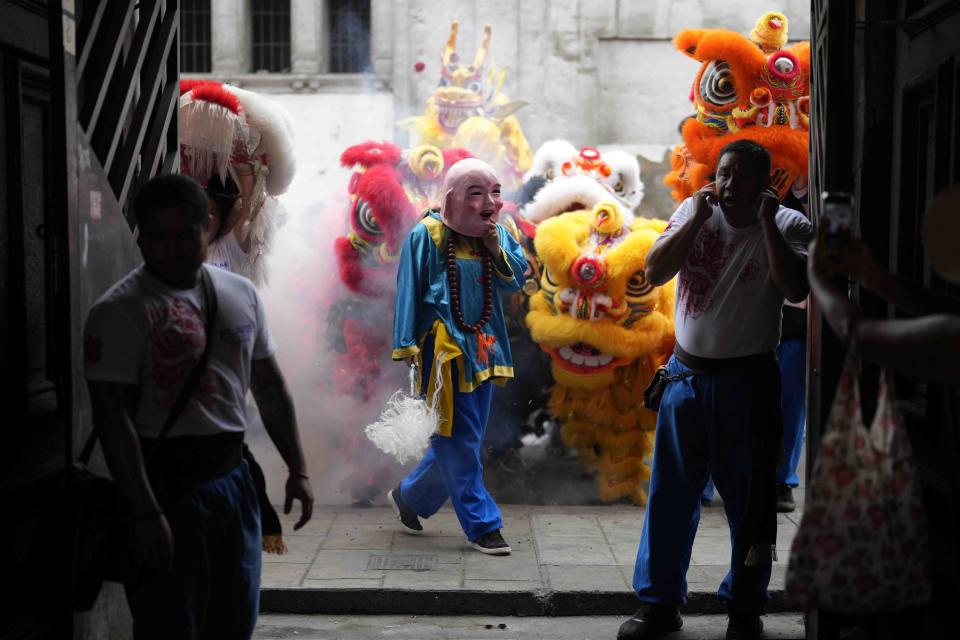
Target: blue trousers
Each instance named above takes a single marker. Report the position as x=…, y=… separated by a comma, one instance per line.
x=792, y=359
x=792, y=356
x=703, y=429
x=451, y=468
x=213, y=590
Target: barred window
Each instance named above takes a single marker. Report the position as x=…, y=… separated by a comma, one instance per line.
x=349, y=36
x=271, y=35
x=195, y=36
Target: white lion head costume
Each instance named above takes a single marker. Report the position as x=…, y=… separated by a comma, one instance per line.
x=222, y=127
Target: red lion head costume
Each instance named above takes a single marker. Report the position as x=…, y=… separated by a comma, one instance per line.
x=380, y=215
x=388, y=191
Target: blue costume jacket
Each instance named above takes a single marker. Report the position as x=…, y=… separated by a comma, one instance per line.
x=423, y=305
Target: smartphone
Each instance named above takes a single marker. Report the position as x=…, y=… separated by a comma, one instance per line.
x=838, y=218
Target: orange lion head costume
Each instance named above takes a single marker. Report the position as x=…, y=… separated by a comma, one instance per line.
x=747, y=87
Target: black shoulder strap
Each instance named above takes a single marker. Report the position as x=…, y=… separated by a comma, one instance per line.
x=186, y=391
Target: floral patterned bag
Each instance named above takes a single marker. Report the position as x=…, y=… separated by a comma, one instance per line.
x=862, y=542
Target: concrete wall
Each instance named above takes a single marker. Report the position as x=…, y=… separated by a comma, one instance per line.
x=594, y=71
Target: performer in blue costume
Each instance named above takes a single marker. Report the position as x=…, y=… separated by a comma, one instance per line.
x=449, y=319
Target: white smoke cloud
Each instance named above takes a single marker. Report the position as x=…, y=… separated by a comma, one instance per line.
x=304, y=283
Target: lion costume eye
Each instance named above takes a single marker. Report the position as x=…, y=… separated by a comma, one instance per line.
x=637, y=285
x=637, y=297
x=365, y=219
x=548, y=277
x=717, y=85
x=548, y=286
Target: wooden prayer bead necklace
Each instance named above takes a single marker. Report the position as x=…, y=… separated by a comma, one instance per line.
x=454, y=279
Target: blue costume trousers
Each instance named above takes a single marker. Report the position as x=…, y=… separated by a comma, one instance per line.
x=792, y=356
x=451, y=468
x=792, y=359
x=703, y=429
x=213, y=589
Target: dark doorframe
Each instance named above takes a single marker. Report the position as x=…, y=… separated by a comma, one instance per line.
x=886, y=91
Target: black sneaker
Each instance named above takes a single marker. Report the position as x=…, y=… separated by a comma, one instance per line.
x=491, y=544
x=651, y=621
x=742, y=626
x=407, y=516
x=785, y=502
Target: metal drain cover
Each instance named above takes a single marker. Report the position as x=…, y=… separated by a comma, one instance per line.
x=402, y=563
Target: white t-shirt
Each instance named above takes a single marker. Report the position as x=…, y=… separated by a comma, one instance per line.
x=142, y=332
x=225, y=252
x=727, y=304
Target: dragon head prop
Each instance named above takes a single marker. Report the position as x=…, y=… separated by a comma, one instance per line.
x=746, y=87
x=468, y=109
x=464, y=90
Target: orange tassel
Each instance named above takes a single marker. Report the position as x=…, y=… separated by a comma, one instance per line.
x=274, y=544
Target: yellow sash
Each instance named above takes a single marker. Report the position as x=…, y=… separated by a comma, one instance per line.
x=445, y=351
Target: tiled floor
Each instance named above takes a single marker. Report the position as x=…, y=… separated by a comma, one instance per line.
x=559, y=548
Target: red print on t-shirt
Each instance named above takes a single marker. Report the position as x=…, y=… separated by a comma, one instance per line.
x=699, y=274
x=177, y=340
x=749, y=271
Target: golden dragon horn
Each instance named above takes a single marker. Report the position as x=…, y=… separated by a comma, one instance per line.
x=451, y=47
x=484, y=46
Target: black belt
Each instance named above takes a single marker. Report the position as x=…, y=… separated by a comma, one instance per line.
x=183, y=462
x=742, y=364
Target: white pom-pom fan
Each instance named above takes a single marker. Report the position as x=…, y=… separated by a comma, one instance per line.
x=407, y=422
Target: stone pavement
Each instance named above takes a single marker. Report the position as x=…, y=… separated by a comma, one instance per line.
x=566, y=559
x=779, y=626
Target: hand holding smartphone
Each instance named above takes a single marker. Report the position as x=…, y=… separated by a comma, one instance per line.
x=837, y=220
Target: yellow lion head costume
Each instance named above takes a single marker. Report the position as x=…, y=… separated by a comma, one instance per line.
x=606, y=330
x=747, y=87
x=469, y=109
